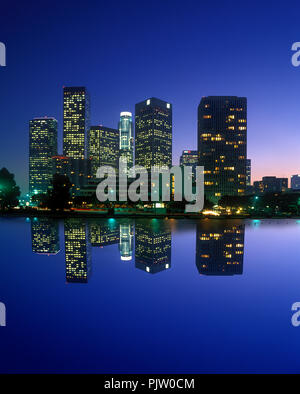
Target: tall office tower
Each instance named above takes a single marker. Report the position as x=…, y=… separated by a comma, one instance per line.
x=248, y=172
x=222, y=145
x=295, y=182
x=189, y=158
x=220, y=249
x=77, y=251
x=152, y=247
x=126, y=138
x=104, y=234
x=45, y=236
x=153, y=133
x=103, y=147
x=42, y=146
x=126, y=241
x=76, y=109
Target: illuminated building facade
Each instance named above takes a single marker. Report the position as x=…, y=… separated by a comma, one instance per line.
x=42, y=146
x=126, y=138
x=104, y=233
x=153, y=133
x=220, y=249
x=126, y=241
x=222, y=145
x=45, y=236
x=295, y=182
x=77, y=251
x=152, y=246
x=76, y=109
x=103, y=147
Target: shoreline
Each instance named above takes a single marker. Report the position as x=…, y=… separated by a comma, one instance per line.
x=143, y=215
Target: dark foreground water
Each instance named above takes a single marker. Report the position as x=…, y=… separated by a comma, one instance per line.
x=149, y=296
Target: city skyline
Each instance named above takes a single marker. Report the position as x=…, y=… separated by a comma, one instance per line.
x=256, y=64
x=222, y=127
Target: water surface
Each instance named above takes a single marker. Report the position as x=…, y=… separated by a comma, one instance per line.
x=149, y=296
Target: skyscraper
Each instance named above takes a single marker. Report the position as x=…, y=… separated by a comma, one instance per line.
x=153, y=133
x=103, y=147
x=126, y=138
x=126, y=241
x=222, y=145
x=220, y=248
x=103, y=233
x=152, y=246
x=42, y=146
x=77, y=251
x=76, y=122
x=45, y=236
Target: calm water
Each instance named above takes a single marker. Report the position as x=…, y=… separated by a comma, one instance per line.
x=149, y=296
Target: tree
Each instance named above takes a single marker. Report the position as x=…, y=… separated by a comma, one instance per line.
x=59, y=195
x=9, y=191
x=40, y=199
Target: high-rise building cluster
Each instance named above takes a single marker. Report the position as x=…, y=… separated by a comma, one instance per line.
x=87, y=147
x=222, y=144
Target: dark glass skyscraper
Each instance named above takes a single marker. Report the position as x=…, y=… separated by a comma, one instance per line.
x=222, y=145
x=103, y=147
x=220, y=248
x=76, y=109
x=152, y=246
x=42, y=146
x=153, y=133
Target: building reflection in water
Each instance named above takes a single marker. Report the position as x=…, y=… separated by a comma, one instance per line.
x=45, y=236
x=103, y=233
x=220, y=248
x=126, y=241
x=152, y=246
x=77, y=251
x=219, y=244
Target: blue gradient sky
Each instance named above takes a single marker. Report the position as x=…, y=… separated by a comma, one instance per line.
x=179, y=51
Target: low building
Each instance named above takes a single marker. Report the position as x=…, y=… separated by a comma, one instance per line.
x=77, y=170
x=270, y=184
x=295, y=182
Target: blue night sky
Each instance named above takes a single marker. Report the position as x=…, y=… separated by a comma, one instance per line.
x=179, y=51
